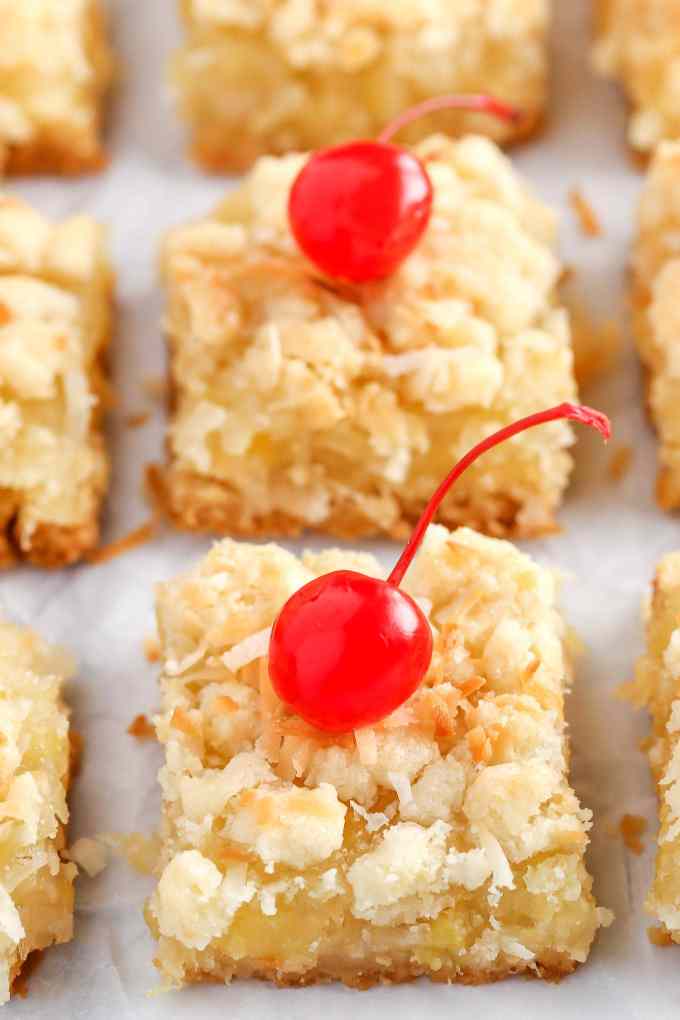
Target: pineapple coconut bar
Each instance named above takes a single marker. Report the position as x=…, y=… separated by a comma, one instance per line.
x=55, y=71
x=657, y=687
x=638, y=45
x=656, y=278
x=271, y=76
x=36, y=885
x=444, y=840
x=55, y=322
x=303, y=402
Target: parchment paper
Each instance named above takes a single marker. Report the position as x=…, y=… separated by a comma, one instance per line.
x=613, y=535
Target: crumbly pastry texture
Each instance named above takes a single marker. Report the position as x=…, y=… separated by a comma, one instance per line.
x=657, y=688
x=656, y=278
x=300, y=402
x=55, y=71
x=444, y=841
x=638, y=44
x=55, y=311
x=36, y=885
x=272, y=76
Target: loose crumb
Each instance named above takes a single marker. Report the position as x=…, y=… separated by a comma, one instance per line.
x=152, y=648
x=658, y=936
x=631, y=829
x=140, y=536
x=155, y=387
x=137, y=420
x=141, y=852
x=587, y=217
x=141, y=728
x=91, y=855
x=620, y=462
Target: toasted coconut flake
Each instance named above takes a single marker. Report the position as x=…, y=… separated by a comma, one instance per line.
x=141, y=728
x=587, y=217
x=367, y=746
x=402, y=785
x=620, y=463
x=374, y=819
x=152, y=649
x=632, y=828
x=140, y=536
x=255, y=646
x=500, y=866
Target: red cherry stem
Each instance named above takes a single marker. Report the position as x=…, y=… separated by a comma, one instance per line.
x=575, y=412
x=477, y=103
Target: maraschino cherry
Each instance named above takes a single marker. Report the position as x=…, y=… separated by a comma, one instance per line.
x=346, y=649
x=358, y=210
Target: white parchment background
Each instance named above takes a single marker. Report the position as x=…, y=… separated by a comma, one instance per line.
x=613, y=535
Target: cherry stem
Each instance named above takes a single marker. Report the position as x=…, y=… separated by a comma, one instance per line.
x=476, y=103
x=574, y=412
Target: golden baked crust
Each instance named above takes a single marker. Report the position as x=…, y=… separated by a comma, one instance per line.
x=55, y=71
x=444, y=841
x=657, y=688
x=36, y=891
x=274, y=76
x=656, y=277
x=55, y=324
x=638, y=44
x=298, y=402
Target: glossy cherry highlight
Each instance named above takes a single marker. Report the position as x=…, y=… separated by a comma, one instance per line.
x=358, y=210
x=346, y=649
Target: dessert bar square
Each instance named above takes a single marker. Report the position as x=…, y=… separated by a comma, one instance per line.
x=300, y=402
x=36, y=886
x=443, y=841
x=273, y=76
x=638, y=45
x=656, y=278
x=657, y=687
x=55, y=70
x=55, y=320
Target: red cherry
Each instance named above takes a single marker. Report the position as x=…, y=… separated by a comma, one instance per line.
x=358, y=210
x=346, y=649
